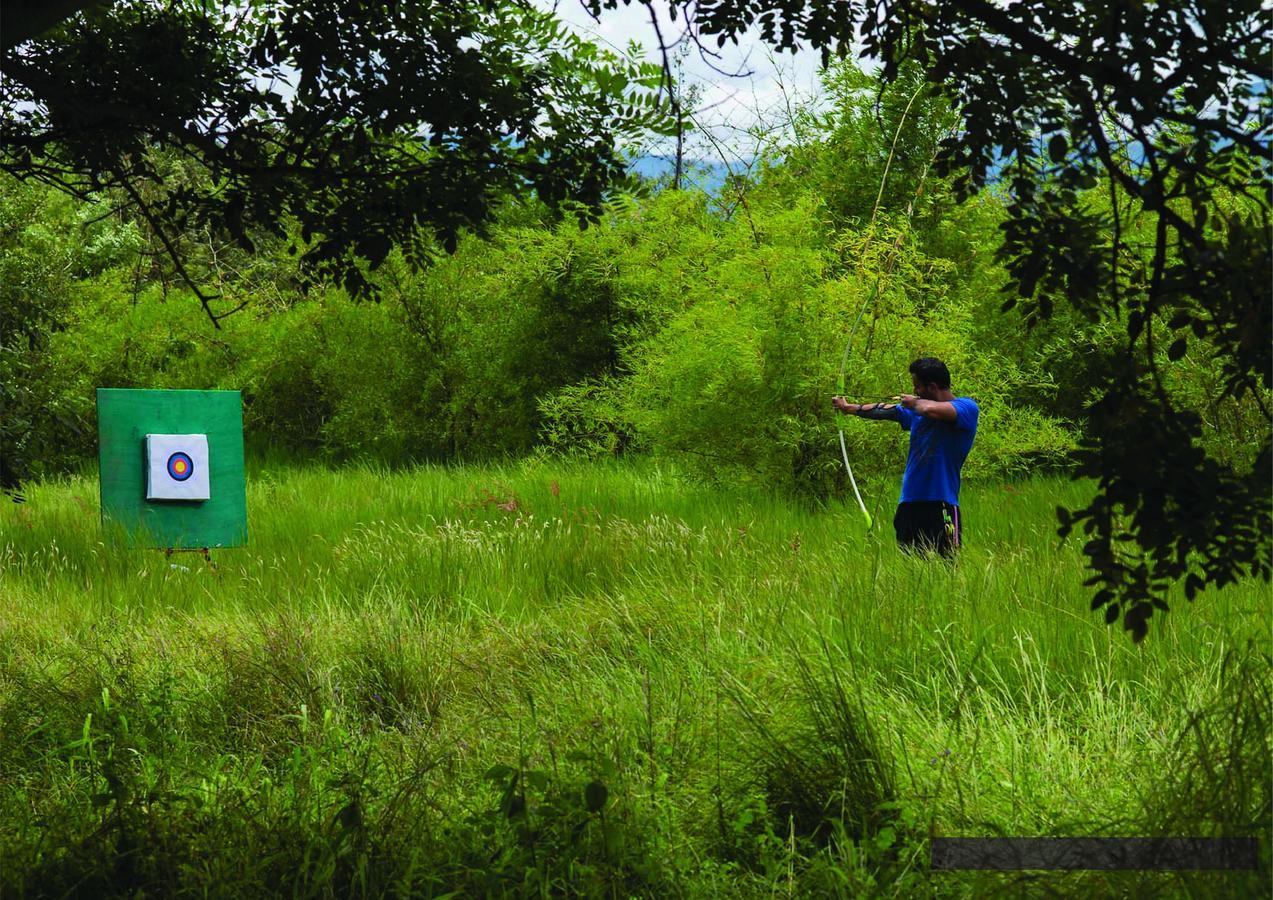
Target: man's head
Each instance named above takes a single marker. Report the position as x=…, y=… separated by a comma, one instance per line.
x=930, y=377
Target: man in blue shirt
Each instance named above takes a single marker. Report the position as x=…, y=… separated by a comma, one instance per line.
x=942, y=427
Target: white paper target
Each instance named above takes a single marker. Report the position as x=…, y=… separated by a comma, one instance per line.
x=177, y=467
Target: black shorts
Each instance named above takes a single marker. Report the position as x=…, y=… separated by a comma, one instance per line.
x=924, y=526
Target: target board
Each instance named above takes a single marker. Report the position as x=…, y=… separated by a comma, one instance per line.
x=177, y=467
x=171, y=467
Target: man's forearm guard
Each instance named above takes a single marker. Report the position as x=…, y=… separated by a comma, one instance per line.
x=878, y=412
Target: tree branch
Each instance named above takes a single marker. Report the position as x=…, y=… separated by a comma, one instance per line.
x=155, y=226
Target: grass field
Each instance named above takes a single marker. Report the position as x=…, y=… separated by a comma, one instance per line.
x=560, y=679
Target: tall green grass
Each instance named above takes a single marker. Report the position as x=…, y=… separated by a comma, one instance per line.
x=603, y=680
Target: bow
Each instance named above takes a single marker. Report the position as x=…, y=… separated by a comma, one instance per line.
x=844, y=360
x=870, y=235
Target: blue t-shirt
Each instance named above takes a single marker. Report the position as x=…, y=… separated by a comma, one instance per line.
x=938, y=450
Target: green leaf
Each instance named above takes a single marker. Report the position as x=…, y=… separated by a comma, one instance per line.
x=1135, y=322
x=350, y=816
x=595, y=796
x=1057, y=148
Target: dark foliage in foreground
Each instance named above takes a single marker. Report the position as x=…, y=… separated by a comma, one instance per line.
x=367, y=126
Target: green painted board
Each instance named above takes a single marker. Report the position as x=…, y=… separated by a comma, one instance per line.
x=124, y=418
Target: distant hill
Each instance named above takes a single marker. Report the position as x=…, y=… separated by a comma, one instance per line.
x=703, y=174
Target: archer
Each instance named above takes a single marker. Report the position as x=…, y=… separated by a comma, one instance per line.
x=942, y=427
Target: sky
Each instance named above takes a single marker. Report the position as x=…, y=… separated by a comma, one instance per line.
x=728, y=106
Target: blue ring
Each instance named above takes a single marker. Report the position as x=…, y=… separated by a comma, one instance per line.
x=184, y=457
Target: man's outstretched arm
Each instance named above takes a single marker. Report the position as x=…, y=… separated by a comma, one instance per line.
x=942, y=410
x=876, y=411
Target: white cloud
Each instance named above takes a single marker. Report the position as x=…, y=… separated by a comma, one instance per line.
x=731, y=106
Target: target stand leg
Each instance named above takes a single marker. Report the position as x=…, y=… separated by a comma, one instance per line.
x=205, y=551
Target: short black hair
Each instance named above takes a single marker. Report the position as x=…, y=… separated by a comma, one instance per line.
x=931, y=371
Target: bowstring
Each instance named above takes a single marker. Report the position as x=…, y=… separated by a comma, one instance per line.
x=870, y=236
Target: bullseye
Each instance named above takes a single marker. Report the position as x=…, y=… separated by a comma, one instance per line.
x=180, y=466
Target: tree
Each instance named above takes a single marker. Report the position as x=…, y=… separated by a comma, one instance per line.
x=364, y=125
x=1169, y=104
